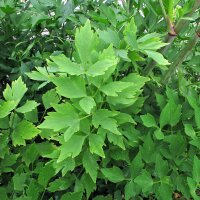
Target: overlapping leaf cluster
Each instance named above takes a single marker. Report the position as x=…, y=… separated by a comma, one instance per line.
x=93, y=125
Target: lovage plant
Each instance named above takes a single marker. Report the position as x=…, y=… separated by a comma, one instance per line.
x=113, y=117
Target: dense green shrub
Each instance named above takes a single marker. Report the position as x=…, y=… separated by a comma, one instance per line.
x=104, y=110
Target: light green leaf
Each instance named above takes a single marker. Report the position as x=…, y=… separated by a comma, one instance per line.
x=85, y=41
x=70, y=87
x=112, y=88
x=66, y=65
x=73, y=128
x=103, y=117
x=159, y=134
x=40, y=75
x=87, y=103
x=194, y=104
x=130, y=34
x=49, y=98
x=100, y=67
x=150, y=42
x=109, y=37
x=145, y=181
x=16, y=91
x=123, y=118
x=64, y=116
x=90, y=165
x=71, y=148
x=113, y=174
x=149, y=120
x=192, y=186
x=190, y=131
x=196, y=169
x=6, y=107
x=27, y=107
x=24, y=131
x=116, y=140
x=157, y=57
x=96, y=143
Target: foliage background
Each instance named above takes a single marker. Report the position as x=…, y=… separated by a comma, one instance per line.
x=99, y=100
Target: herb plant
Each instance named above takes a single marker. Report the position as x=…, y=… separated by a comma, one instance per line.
x=111, y=112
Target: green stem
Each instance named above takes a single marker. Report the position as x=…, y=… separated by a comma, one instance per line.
x=163, y=9
x=170, y=37
x=180, y=58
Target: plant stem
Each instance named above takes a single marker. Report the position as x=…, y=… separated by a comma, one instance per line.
x=169, y=38
x=180, y=58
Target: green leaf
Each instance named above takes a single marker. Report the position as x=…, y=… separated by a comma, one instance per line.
x=170, y=114
x=49, y=98
x=66, y=65
x=45, y=174
x=130, y=190
x=4, y=123
x=112, y=88
x=113, y=174
x=194, y=104
x=30, y=154
x=3, y=194
x=34, y=189
x=161, y=167
x=103, y=117
x=40, y=75
x=190, y=131
x=165, y=191
x=27, y=107
x=136, y=165
x=72, y=196
x=89, y=185
x=96, y=143
x=59, y=184
x=70, y=87
x=16, y=91
x=149, y=120
x=64, y=117
x=145, y=181
x=159, y=134
x=130, y=34
x=24, y=131
x=157, y=57
x=6, y=107
x=148, y=150
x=90, y=165
x=196, y=169
x=150, y=42
x=71, y=148
x=110, y=37
x=85, y=41
x=100, y=67
x=192, y=186
x=116, y=140
x=87, y=103
x=73, y=128
x=19, y=181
